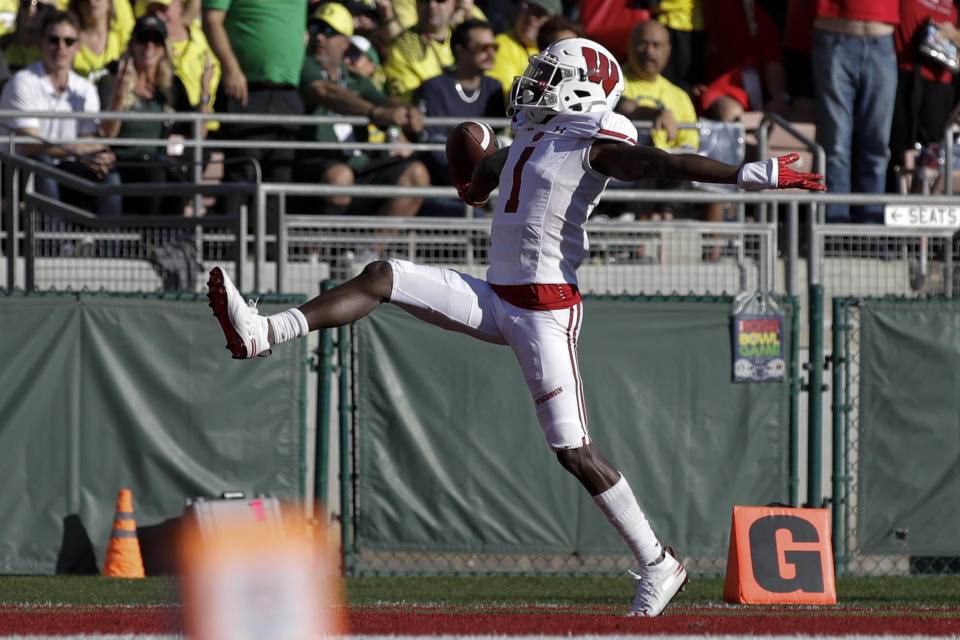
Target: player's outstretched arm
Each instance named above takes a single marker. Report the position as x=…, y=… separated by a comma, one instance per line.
x=486, y=177
x=629, y=163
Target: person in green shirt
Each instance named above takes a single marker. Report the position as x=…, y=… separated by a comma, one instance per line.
x=330, y=88
x=260, y=48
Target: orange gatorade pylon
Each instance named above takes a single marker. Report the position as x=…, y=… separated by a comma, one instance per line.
x=123, y=552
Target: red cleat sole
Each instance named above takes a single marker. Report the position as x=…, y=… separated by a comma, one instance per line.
x=217, y=294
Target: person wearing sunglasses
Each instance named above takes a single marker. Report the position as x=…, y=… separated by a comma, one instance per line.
x=144, y=81
x=329, y=87
x=363, y=59
x=192, y=57
x=518, y=44
x=24, y=46
x=52, y=85
x=463, y=91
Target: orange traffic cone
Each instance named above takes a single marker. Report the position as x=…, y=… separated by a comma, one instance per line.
x=123, y=552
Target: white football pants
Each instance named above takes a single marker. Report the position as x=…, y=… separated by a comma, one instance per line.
x=545, y=342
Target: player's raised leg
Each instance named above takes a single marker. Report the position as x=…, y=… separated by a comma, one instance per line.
x=249, y=334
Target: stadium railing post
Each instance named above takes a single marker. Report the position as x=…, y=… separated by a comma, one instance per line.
x=795, y=385
x=344, y=348
x=815, y=389
x=839, y=483
x=321, y=455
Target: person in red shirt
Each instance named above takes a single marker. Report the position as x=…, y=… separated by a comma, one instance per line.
x=744, y=63
x=924, y=88
x=855, y=83
x=797, y=44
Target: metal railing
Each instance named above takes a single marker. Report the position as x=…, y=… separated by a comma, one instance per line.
x=927, y=252
x=53, y=229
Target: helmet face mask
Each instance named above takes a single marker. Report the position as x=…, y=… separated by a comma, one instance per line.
x=571, y=75
x=539, y=84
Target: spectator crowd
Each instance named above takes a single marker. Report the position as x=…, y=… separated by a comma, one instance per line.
x=877, y=78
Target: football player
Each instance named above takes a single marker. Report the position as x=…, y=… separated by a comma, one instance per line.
x=567, y=143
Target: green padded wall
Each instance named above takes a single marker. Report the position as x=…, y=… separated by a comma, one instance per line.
x=909, y=427
x=104, y=392
x=452, y=459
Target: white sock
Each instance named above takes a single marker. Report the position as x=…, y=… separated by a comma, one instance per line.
x=288, y=325
x=622, y=510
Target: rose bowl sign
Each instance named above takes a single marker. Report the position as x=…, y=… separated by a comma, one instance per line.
x=758, y=348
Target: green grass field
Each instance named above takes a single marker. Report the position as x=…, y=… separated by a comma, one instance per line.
x=919, y=592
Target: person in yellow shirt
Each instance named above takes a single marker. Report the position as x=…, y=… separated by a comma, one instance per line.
x=9, y=9
x=647, y=95
x=515, y=47
x=688, y=40
x=189, y=10
x=103, y=37
x=407, y=15
x=122, y=10
x=421, y=52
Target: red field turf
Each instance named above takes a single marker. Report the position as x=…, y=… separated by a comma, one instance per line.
x=414, y=620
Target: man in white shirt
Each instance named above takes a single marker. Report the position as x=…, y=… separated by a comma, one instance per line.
x=51, y=85
x=567, y=144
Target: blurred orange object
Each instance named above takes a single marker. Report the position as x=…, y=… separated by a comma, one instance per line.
x=254, y=580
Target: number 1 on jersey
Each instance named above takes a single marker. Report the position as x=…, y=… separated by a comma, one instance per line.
x=514, y=200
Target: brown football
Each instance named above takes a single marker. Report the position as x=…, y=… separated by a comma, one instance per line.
x=467, y=144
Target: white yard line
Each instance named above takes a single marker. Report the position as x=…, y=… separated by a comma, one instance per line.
x=136, y=636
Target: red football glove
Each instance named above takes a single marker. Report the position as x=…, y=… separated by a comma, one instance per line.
x=776, y=174
x=462, y=192
x=787, y=178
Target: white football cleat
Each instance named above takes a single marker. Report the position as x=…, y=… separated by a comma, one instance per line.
x=657, y=584
x=246, y=330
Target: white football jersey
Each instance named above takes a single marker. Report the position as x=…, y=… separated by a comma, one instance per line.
x=547, y=191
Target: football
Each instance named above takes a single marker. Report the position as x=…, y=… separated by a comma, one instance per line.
x=467, y=144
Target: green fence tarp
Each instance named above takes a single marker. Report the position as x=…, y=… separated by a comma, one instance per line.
x=103, y=393
x=451, y=457
x=909, y=427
